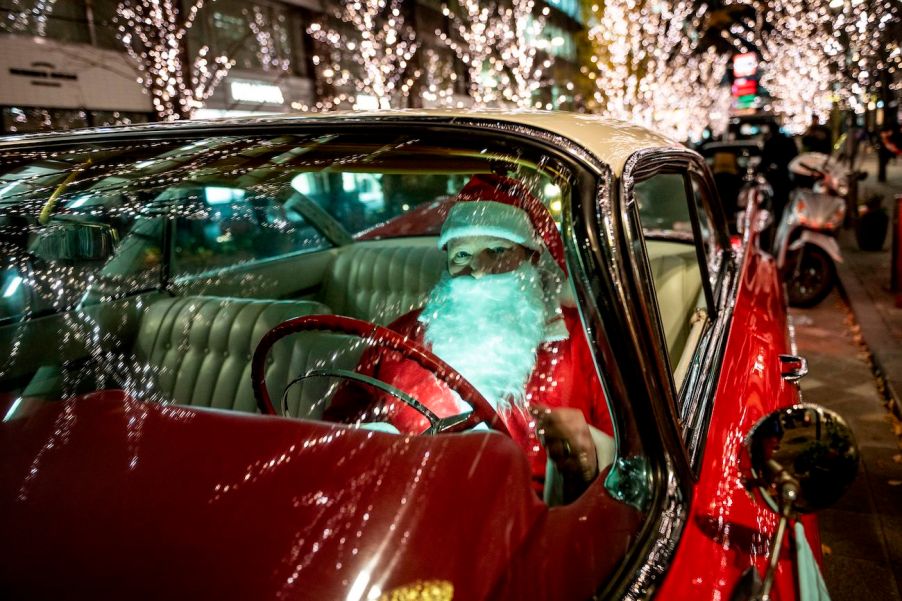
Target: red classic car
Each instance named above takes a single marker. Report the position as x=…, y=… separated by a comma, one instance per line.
x=203, y=324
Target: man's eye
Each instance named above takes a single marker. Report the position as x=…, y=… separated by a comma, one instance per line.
x=461, y=257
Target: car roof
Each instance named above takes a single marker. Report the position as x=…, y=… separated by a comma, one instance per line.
x=609, y=140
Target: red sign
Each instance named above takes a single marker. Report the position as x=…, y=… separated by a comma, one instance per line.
x=744, y=87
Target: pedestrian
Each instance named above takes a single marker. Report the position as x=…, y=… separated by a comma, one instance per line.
x=776, y=154
x=818, y=137
x=890, y=146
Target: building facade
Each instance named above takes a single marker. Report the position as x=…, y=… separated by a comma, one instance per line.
x=63, y=64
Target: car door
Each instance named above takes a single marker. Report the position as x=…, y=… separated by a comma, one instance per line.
x=725, y=372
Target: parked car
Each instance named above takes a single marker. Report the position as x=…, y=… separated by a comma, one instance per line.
x=142, y=267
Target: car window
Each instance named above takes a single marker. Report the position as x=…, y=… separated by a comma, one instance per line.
x=238, y=227
x=178, y=255
x=673, y=238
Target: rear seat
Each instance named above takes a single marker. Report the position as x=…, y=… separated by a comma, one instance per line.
x=200, y=349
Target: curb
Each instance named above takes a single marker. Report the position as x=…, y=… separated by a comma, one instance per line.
x=849, y=288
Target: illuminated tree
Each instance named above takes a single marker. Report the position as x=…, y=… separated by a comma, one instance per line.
x=438, y=79
x=647, y=68
x=265, y=34
x=793, y=44
x=154, y=32
x=497, y=43
x=366, y=52
x=818, y=52
x=867, y=47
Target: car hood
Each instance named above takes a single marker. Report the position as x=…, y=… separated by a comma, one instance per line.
x=104, y=491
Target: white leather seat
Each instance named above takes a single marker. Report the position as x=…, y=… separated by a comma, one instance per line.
x=678, y=286
x=380, y=281
x=200, y=349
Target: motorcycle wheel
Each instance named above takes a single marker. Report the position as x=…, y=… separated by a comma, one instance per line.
x=808, y=282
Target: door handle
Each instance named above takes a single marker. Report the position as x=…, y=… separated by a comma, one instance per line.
x=793, y=367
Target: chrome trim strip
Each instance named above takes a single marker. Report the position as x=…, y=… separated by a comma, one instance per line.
x=667, y=536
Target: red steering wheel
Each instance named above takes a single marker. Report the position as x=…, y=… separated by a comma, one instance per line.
x=388, y=339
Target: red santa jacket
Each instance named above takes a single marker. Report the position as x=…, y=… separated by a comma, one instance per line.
x=564, y=376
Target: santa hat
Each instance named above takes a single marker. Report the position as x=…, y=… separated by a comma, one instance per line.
x=492, y=205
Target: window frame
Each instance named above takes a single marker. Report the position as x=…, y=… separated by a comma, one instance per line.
x=693, y=402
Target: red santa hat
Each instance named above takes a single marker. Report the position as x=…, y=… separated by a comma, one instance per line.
x=493, y=205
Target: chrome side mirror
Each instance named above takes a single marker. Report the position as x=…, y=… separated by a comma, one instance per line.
x=803, y=458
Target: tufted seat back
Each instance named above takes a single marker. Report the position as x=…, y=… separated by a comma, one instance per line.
x=382, y=280
x=199, y=349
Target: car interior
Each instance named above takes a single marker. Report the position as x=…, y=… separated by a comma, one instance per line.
x=239, y=256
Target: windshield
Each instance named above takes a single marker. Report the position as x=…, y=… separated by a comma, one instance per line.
x=155, y=267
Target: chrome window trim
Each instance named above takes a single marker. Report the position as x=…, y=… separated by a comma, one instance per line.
x=694, y=401
x=697, y=396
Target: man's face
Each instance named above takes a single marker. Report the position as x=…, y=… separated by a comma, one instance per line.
x=477, y=256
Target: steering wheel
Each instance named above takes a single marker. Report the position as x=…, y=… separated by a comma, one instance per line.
x=387, y=339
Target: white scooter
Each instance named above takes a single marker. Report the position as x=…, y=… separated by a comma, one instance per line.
x=805, y=244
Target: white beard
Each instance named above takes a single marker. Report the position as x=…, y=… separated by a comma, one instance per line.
x=489, y=329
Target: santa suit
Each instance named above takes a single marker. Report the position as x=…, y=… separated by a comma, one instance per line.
x=564, y=376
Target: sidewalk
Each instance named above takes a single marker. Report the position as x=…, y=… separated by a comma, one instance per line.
x=862, y=532
x=865, y=281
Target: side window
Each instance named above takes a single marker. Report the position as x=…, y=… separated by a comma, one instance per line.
x=712, y=250
x=672, y=239
x=234, y=227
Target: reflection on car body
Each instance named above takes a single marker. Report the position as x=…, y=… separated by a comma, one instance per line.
x=143, y=266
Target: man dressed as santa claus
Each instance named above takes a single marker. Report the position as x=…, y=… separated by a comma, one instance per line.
x=499, y=316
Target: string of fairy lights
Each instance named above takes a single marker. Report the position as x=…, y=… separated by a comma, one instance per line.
x=646, y=61
x=154, y=33
x=380, y=44
x=495, y=43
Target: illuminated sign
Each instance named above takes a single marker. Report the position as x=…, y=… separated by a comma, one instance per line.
x=256, y=92
x=745, y=64
x=744, y=87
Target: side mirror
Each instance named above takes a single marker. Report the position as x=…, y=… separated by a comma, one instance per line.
x=803, y=458
x=72, y=241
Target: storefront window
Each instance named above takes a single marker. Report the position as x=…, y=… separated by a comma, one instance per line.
x=64, y=21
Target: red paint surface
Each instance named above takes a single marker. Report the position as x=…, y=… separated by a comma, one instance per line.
x=106, y=497
x=728, y=530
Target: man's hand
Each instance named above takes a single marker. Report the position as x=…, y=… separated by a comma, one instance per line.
x=565, y=435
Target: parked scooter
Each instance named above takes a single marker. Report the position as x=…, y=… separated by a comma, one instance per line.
x=805, y=244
